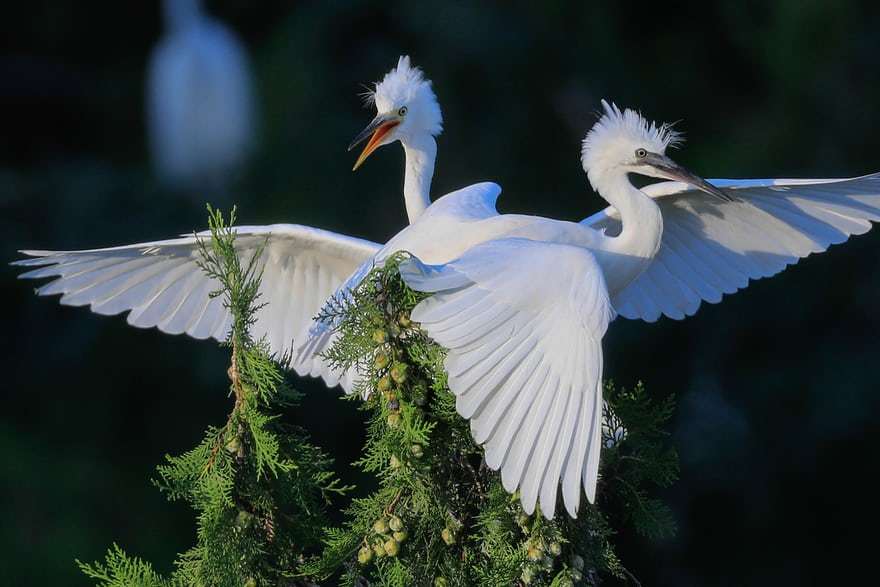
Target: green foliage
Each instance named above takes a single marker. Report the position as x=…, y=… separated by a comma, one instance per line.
x=259, y=489
x=120, y=570
x=440, y=516
x=637, y=455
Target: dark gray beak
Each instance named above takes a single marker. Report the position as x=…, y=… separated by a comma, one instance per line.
x=672, y=170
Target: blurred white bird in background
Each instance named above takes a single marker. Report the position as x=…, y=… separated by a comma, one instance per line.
x=161, y=285
x=200, y=104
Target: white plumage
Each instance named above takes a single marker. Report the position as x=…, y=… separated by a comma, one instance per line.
x=522, y=302
x=406, y=86
x=200, y=107
x=511, y=335
x=523, y=320
x=615, y=135
x=710, y=248
x=160, y=284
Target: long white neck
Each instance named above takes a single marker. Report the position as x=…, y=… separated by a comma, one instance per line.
x=642, y=227
x=421, y=152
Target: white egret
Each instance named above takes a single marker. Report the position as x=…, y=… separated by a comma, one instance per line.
x=200, y=110
x=160, y=284
x=407, y=111
x=523, y=316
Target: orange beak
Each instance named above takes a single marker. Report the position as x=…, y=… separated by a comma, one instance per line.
x=379, y=128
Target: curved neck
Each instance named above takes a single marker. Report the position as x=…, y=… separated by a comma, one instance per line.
x=421, y=152
x=640, y=217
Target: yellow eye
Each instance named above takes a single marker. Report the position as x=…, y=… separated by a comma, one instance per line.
x=641, y=153
x=402, y=111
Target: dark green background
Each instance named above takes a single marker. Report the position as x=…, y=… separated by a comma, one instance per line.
x=776, y=386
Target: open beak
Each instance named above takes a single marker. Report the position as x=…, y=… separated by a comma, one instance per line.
x=672, y=170
x=376, y=131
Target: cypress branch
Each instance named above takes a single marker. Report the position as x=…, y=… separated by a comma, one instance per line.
x=258, y=487
x=440, y=516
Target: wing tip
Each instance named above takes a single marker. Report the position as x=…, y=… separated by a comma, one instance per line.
x=37, y=252
x=34, y=258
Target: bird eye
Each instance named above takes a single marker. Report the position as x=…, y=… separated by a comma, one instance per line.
x=641, y=153
x=402, y=111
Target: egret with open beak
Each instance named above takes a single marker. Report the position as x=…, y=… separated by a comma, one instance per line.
x=378, y=132
x=407, y=111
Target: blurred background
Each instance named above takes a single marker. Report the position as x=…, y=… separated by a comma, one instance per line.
x=777, y=399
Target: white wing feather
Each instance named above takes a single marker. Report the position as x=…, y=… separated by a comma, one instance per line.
x=428, y=238
x=160, y=284
x=710, y=248
x=523, y=323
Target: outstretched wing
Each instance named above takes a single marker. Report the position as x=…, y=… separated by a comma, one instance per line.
x=160, y=284
x=710, y=248
x=523, y=323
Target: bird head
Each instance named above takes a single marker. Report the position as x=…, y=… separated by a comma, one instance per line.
x=406, y=108
x=181, y=14
x=625, y=142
